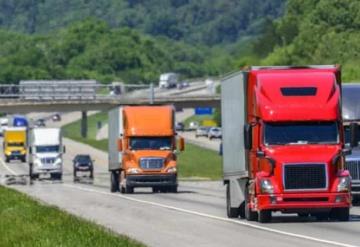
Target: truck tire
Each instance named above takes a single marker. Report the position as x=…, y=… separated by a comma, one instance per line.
x=23, y=159
x=264, y=216
x=249, y=215
x=92, y=173
x=129, y=189
x=231, y=212
x=173, y=189
x=114, y=185
x=341, y=214
x=7, y=159
x=321, y=216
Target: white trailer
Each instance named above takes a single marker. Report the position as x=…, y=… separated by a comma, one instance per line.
x=45, y=152
x=235, y=161
x=168, y=80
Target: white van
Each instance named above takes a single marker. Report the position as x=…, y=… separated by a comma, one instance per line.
x=168, y=80
x=46, y=153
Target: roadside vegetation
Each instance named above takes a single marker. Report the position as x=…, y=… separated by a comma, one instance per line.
x=26, y=222
x=194, y=162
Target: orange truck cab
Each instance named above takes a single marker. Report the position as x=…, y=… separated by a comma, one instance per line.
x=283, y=143
x=142, y=148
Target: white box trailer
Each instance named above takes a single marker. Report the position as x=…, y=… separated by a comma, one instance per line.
x=115, y=132
x=233, y=113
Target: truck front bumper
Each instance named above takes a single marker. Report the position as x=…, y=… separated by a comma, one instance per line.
x=305, y=201
x=16, y=156
x=151, y=180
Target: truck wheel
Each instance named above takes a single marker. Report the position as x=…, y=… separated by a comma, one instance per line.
x=92, y=173
x=341, y=214
x=173, y=189
x=231, y=212
x=114, y=186
x=249, y=215
x=7, y=159
x=23, y=159
x=129, y=190
x=321, y=216
x=264, y=216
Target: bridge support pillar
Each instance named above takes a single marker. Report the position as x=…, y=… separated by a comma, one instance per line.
x=84, y=124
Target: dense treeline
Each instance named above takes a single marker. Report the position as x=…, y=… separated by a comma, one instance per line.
x=315, y=32
x=92, y=50
x=204, y=21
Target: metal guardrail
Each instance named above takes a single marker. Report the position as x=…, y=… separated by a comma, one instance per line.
x=68, y=92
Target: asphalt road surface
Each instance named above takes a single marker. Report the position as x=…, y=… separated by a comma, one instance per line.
x=193, y=217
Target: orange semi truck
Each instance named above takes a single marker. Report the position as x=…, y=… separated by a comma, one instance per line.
x=142, y=148
x=283, y=143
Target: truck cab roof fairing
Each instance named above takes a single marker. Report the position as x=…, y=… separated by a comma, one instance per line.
x=320, y=104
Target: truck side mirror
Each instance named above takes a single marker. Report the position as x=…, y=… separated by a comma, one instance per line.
x=181, y=144
x=353, y=134
x=120, y=145
x=248, y=136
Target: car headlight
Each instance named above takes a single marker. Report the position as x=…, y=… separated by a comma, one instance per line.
x=266, y=186
x=344, y=184
x=171, y=170
x=133, y=171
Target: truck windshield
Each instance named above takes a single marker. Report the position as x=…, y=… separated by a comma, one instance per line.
x=154, y=143
x=15, y=144
x=347, y=134
x=301, y=133
x=47, y=149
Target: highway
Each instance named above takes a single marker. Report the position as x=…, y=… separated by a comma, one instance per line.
x=193, y=217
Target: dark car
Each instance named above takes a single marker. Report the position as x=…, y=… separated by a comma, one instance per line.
x=83, y=163
x=179, y=126
x=40, y=123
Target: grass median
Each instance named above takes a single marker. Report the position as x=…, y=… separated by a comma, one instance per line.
x=26, y=222
x=195, y=162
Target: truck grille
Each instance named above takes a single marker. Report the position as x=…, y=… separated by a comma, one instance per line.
x=47, y=160
x=151, y=163
x=305, y=176
x=354, y=169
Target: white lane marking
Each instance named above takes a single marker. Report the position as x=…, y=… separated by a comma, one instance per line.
x=300, y=236
x=7, y=167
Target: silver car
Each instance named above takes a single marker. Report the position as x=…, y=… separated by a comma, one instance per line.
x=214, y=132
x=202, y=131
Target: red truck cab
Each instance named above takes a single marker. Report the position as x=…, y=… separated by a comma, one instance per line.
x=293, y=144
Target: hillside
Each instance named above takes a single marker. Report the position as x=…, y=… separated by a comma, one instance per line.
x=91, y=49
x=192, y=21
x=317, y=32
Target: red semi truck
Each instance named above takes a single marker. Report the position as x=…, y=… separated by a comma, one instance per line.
x=283, y=143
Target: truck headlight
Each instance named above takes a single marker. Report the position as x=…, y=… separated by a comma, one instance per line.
x=171, y=170
x=344, y=184
x=133, y=171
x=266, y=186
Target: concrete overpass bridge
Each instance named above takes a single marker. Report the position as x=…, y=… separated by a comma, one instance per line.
x=65, y=97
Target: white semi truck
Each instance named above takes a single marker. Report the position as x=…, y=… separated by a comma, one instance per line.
x=45, y=153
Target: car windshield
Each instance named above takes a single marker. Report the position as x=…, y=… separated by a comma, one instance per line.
x=215, y=130
x=154, y=143
x=347, y=134
x=47, y=149
x=301, y=133
x=15, y=144
x=82, y=158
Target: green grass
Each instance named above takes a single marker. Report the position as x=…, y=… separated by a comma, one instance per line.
x=25, y=222
x=199, y=162
x=193, y=162
x=197, y=118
